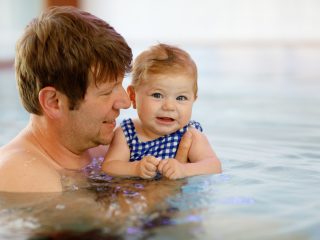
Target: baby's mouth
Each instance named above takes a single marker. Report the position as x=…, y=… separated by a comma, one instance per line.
x=166, y=119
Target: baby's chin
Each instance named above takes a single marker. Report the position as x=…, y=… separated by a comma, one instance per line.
x=168, y=131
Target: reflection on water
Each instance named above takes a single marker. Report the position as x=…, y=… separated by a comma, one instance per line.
x=111, y=207
x=260, y=110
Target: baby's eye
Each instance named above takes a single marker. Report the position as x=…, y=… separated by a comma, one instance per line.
x=182, y=98
x=156, y=95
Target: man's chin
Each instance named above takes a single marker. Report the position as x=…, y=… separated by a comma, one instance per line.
x=100, y=143
x=106, y=140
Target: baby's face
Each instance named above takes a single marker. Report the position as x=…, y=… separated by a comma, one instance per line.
x=164, y=103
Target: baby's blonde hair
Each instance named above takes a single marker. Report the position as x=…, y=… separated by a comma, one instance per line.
x=163, y=59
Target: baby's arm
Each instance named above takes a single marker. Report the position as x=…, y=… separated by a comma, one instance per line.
x=202, y=159
x=117, y=163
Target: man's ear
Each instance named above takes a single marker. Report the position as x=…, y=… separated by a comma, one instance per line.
x=132, y=95
x=50, y=101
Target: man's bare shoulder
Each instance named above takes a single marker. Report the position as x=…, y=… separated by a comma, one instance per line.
x=24, y=169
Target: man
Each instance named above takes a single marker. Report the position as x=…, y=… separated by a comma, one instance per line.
x=69, y=68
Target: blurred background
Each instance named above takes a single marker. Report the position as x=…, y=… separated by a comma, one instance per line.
x=224, y=23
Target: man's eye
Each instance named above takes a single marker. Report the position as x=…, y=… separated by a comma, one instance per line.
x=182, y=98
x=107, y=93
x=156, y=95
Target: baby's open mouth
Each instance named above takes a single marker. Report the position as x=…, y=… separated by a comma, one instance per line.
x=166, y=119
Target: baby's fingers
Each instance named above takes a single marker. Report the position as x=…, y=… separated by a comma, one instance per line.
x=161, y=165
x=169, y=173
x=148, y=174
x=151, y=167
x=153, y=160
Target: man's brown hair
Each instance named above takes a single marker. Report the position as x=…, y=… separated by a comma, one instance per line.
x=62, y=48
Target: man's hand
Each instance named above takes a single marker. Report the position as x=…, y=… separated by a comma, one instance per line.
x=147, y=167
x=172, y=168
x=184, y=146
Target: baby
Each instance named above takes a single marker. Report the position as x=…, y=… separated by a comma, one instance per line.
x=163, y=90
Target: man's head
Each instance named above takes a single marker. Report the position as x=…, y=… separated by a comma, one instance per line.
x=66, y=48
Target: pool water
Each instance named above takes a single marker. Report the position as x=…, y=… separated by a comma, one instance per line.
x=260, y=110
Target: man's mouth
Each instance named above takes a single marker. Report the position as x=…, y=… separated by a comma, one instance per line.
x=109, y=122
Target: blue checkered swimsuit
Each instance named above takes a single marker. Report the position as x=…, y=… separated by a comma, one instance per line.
x=162, y=147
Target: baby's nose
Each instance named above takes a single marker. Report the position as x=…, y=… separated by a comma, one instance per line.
x=168, y=104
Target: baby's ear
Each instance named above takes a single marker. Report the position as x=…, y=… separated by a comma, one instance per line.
x=132, y=95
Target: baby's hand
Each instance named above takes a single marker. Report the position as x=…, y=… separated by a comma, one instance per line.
x=172, y=168
x=147, y=167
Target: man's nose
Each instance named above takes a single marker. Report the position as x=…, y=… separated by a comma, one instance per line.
x=122, y=101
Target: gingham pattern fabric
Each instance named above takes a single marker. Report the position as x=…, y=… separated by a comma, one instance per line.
x=163, y=147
